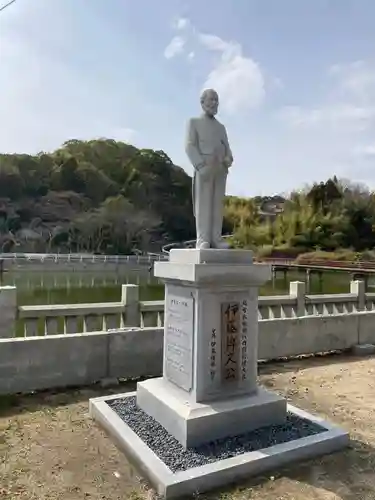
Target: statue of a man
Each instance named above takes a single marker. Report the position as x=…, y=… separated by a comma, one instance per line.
x=208, y=150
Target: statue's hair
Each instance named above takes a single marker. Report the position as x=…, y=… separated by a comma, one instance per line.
x=205, y=92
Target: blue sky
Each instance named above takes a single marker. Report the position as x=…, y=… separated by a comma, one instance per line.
x=296, y=80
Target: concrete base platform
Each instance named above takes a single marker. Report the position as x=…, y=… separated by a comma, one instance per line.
x=221, y=472
x=363, y=349
x=195, y=423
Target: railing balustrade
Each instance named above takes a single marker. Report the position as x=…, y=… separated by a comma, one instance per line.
x=130, y=311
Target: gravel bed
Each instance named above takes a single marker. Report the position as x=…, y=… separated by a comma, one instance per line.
x=171, y=452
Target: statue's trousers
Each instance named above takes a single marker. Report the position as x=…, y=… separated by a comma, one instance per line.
x=208, y=202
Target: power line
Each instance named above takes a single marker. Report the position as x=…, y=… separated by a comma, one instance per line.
x=7, y=5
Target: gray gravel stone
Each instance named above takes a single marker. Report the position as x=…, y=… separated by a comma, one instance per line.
x=171, y=452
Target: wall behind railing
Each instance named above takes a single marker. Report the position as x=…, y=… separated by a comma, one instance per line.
x=47, y=359
x=28, y=364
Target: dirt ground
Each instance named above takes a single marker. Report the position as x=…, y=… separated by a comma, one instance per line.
x=51, y=449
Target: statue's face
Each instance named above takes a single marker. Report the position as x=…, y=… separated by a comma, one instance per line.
x=210, y=103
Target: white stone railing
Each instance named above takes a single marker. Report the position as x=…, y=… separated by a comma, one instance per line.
x=92, y=317
x=76, y=257
x=76, y=262
x=42, y=320
x=84, y=343
x=297, y=303
x=85, y=318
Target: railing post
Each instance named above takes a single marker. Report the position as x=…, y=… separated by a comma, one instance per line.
x=358, y=288
x=297, y=289
x=130, y=301
x=8, y=311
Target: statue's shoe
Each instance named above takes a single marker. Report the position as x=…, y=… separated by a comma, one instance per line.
x=203, y=245
x=221, y=244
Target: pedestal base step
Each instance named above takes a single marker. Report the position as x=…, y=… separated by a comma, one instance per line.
x=175, y=472
x=195, y=424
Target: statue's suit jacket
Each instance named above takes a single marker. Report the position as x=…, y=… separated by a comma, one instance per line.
x=206, y=142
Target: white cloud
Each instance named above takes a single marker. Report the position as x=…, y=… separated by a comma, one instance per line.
x=213, y=42
x=175, y=47
x=278, y=83
x=364, y=150
x=355, y=80
x=238, y=80
x=45, y=96
x=181, y=23
x=338, y=132
x=348, y=105
x=369, y=150
x=336, y=115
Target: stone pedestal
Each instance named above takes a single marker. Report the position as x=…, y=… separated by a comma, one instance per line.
x=209, y=386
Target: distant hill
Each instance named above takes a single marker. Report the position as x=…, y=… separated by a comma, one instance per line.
x=105, y=196
x=328, y=217
x=99, y=195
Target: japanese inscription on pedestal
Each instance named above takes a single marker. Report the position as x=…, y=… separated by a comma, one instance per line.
x=230, y=341
x=244, y=313
x=178, y=353
x=213, y=353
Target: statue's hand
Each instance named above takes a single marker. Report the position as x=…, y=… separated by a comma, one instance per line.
x=228, y=161
x=205, y=169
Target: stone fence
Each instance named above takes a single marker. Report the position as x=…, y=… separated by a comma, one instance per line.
x=130, y=311
x=74, y=257
x=125, y=339
x=74, y=262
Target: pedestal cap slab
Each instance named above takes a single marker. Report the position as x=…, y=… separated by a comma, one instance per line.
x=210, y=256
x=219, y=267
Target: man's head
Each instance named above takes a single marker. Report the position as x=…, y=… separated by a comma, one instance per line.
x=210, y=102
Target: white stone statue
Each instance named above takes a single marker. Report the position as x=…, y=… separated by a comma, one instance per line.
x=208, y=150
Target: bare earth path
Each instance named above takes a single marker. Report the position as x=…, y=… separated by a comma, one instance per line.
x=50, y=448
